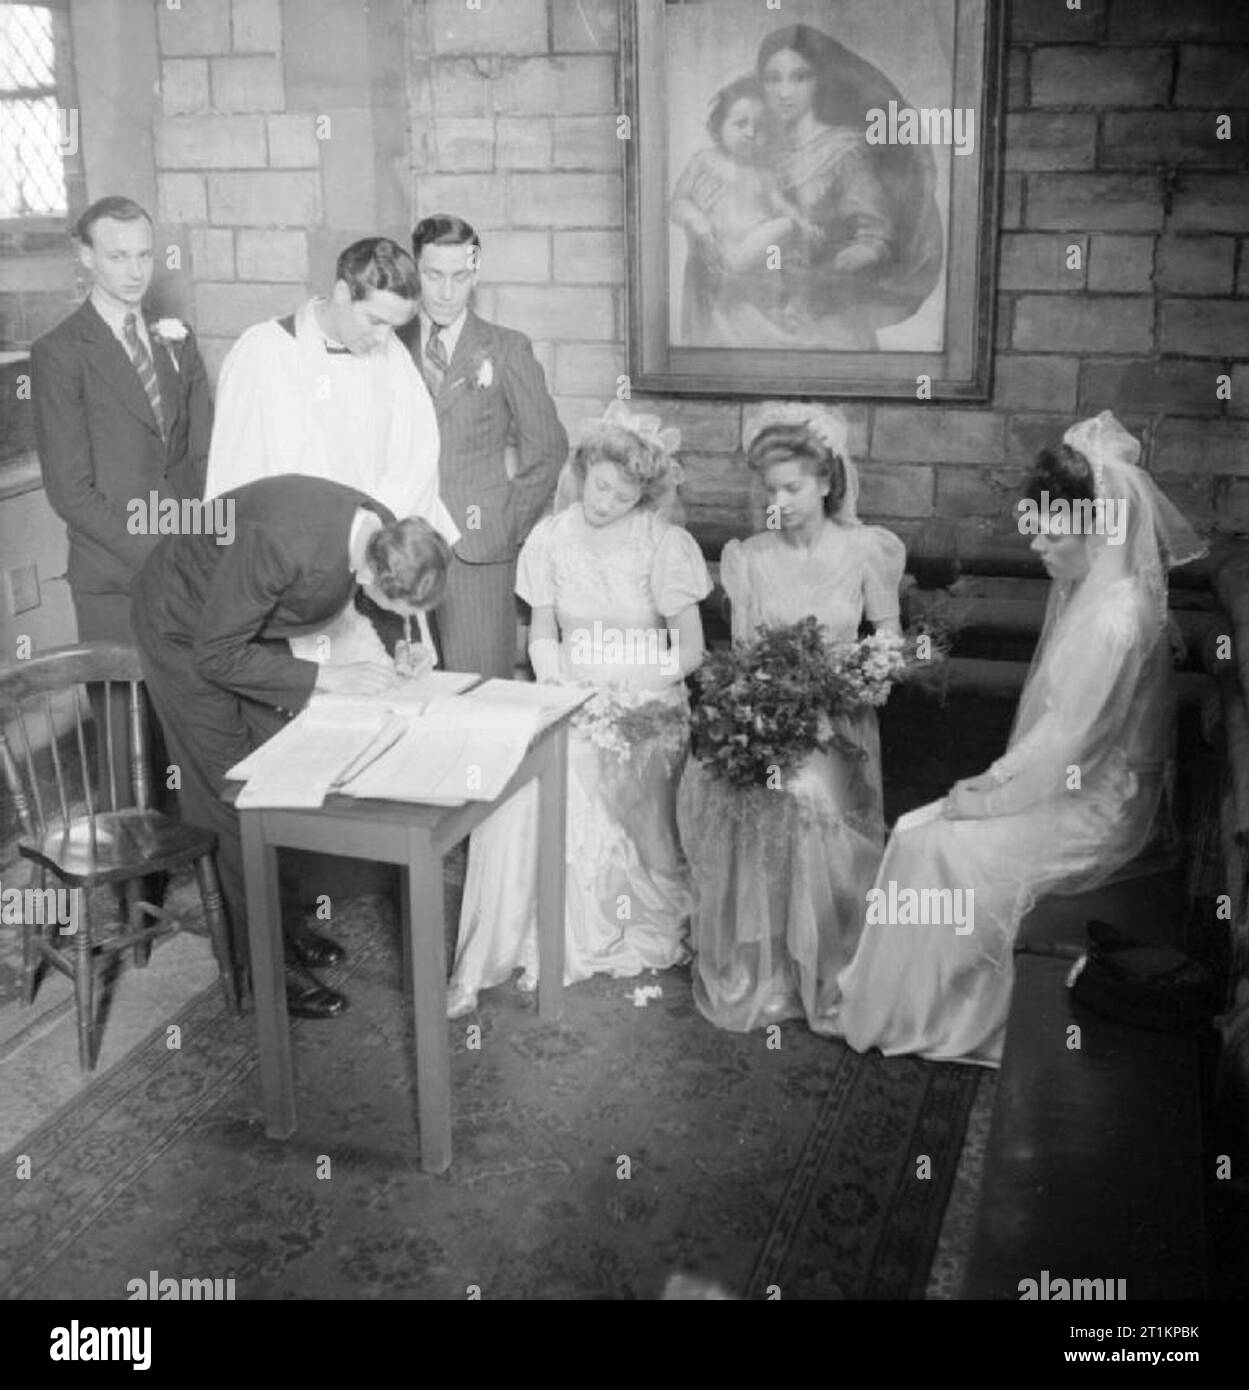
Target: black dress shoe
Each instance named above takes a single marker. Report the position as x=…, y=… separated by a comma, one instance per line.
x=312, y=951
x=307, y=998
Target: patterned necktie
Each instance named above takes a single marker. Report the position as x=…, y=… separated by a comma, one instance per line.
x=142, y=360
x=436, y=361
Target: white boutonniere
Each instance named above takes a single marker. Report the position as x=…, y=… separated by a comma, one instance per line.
x=170, y=330
x=485, y=375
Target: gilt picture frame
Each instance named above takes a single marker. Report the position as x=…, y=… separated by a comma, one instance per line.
x=812, y=196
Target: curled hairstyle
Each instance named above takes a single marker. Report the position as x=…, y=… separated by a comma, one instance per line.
x=797, y=444
x=409, y=560
x=115, y=206
x=723, y=101
x=442, y=229
x=642, y=461
x=377, y=263
x=1062, y=472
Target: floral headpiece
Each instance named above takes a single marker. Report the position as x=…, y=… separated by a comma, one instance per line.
x=1103, y=440
x=826, y=423
x=661, y=444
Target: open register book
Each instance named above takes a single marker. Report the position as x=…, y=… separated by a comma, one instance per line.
x=420, y=742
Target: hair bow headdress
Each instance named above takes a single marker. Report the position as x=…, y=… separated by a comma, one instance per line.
x=663, y=443
x=828, y=425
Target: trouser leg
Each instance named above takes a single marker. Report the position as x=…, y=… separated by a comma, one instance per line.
x=207, y=731
x=477, y=618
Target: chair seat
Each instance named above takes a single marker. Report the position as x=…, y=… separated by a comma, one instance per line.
x=126, y=844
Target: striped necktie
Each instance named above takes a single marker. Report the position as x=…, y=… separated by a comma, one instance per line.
x=142, y=360
x=436, y=360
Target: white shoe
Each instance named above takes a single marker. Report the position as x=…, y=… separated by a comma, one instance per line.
x=528, y=981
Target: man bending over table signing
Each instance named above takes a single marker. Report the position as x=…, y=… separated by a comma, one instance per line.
x=213, y=622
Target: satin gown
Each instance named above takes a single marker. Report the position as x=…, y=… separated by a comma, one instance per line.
x=628, y=894
x=1080, y=787
x=781, y=876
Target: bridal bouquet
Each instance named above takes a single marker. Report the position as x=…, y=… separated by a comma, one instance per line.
x=765, y=705
x=619, y=720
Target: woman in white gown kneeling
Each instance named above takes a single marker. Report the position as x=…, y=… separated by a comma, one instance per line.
x=614, y=589
x=1076, y=795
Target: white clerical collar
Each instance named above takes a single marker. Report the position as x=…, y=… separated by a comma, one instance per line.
x=114, y=315
x=450, y=334
x=328, y=344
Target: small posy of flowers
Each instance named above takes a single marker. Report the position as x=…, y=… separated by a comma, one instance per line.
x=484, y=376
x=620, y=722
x=767, y=704
x=867, y=670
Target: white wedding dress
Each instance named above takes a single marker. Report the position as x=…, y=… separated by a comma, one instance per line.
x=627, y=887
x=1076, y=798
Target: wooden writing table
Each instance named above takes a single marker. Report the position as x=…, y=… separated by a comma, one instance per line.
x=415, y=837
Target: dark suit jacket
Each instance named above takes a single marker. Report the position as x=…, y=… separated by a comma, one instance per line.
x=100, y=446
x=477, y=423
x=230, y=608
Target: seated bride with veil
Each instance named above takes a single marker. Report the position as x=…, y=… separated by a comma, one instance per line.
x=1073, y=800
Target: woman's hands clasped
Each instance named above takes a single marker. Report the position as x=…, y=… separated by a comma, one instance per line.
x=968, y=799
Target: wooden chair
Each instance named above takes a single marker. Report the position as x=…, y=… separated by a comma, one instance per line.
x=85, y=847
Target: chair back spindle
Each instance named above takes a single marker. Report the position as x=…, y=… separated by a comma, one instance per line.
x=16, y=784
x=18, y=787
x=84, y=766
x=107, y=735
x=59, y=770
x=139, y=770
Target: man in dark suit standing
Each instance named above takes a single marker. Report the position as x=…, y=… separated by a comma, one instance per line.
x=213, y=621
x=122, y=410
x=493, y=410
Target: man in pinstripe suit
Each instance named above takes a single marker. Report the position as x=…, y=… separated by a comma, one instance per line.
x=493, y=409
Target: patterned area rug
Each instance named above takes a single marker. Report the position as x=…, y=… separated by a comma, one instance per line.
x=593, y=1157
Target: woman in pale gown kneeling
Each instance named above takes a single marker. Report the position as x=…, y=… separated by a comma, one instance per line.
x=614, y=589
x=1077, y=793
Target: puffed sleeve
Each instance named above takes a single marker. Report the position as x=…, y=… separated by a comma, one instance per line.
x=679, y=575
x=735, y=581
x=884, y=559
x=535, y=568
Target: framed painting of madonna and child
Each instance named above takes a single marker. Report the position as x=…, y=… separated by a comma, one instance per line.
x=812, y=192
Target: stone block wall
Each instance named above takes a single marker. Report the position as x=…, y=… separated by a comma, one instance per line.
x=280, y=138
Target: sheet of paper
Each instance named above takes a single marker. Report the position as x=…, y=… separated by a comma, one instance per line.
x=403, y=695
x=551, y=701
x=293, y=788
x=317, y=741
x=387, y=736
x=452, y=754
x=920, y=816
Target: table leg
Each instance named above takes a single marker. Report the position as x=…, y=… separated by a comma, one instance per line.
x=424, y=926
x=264, y=931
x=552, y=801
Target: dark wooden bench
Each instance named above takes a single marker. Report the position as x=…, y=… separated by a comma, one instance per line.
x=1094, y=1161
